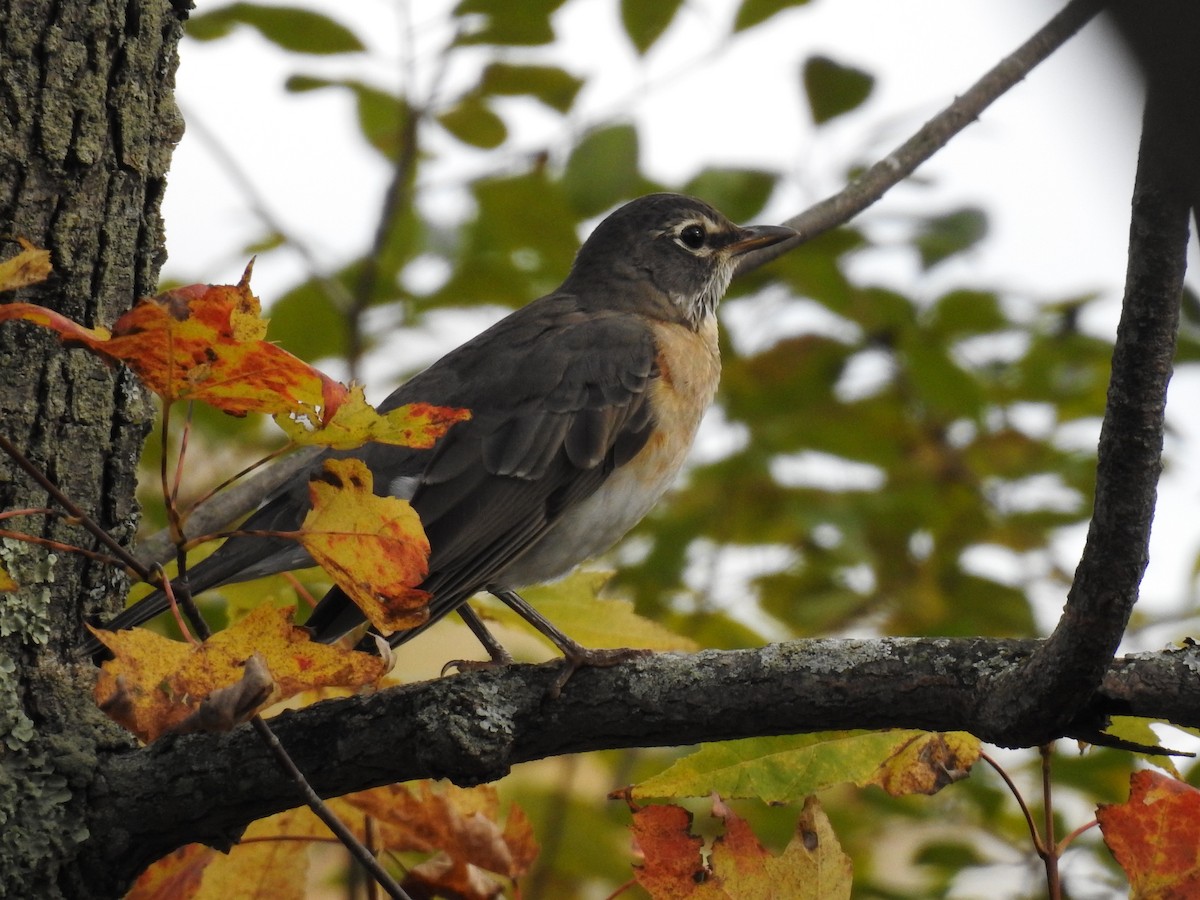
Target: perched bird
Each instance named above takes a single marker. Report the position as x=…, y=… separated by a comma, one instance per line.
x=584, y=405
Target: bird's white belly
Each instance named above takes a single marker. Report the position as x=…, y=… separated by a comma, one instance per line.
x=679, y=398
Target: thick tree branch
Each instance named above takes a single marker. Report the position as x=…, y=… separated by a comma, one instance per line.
x=474, y=727
x=1034, y=700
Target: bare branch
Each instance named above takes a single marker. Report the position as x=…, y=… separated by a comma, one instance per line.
x=933, y=135
x=1034, y=699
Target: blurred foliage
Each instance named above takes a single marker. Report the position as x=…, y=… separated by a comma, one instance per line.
x=875, y=461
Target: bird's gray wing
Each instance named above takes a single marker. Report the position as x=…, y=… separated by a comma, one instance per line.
x=559, y=400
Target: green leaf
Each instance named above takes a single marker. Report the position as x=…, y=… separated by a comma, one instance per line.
x=519, y=245
x=603, y=169
x=754, y=12
x=645, y=22
x=503, y=22
x=834, y=89
x=574, y=604
x=786, y=769
x=292, y=28
x=553, y=86
x=308, y=323
x=381, y=116
x=473, y=122
x=941, y=237
x=966, y=312
x=739, y=193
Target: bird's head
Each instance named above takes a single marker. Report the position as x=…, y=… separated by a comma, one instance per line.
x=667, y=252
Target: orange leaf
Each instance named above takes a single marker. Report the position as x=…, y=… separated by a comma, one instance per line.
x=174, y=877
x=7, y=583
x=156, y=685
x=1155, y=836
x=811, y=866
x=355, y=422
x=30, y=266
x=373, y=547
x=460, y=826
x=203, y=342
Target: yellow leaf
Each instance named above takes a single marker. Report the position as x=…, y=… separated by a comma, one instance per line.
x=373, y=547
x=30, y=266
x=574, y=605
x=355, y=422
x=155, y=685
x=783, y=769
x=269, y=863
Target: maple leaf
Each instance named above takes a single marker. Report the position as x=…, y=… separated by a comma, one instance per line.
x=154, y=685
x=786, y=768
x=270, y=861
x=373, y=547
x=202, y=342
x=30, y=266
x=176, y=876
x=459, y=826
x=355, y=422
x=1155, y=836
x=811, y=867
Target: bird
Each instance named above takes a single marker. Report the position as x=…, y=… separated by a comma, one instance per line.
x=584, y=404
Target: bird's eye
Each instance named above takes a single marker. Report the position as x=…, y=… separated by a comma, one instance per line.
x=693, y=236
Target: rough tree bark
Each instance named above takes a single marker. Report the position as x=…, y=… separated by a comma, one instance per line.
x=87, y=129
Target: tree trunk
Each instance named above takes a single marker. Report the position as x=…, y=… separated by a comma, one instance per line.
x=89, y=123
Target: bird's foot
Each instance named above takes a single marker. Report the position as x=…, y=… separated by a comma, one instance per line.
x=499, y=659
x=577, y=657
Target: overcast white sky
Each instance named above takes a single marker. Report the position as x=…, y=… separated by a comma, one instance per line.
x=1052, y=161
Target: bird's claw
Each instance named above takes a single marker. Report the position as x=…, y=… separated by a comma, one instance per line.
x=585, y=657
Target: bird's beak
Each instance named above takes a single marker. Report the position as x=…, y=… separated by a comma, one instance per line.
x=756, y=237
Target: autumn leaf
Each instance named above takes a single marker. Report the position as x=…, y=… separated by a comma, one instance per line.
x=176, y=876
x=459, y=826
x=783, y=769
x=7, y=583
x=155, y=685
x=1155, y=836
x=811, y=866
x=373, y=547
x=574, y=604
x=355, y=422
x=270, y=862
x=30, y=266
x=206, y=343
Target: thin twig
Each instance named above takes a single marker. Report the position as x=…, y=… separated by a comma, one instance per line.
x=933, y=135
x=1050, y=853
x=60, y=546
x=90, y=524
x=1070, y=838
x=1038, y=846
x=332, y=822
